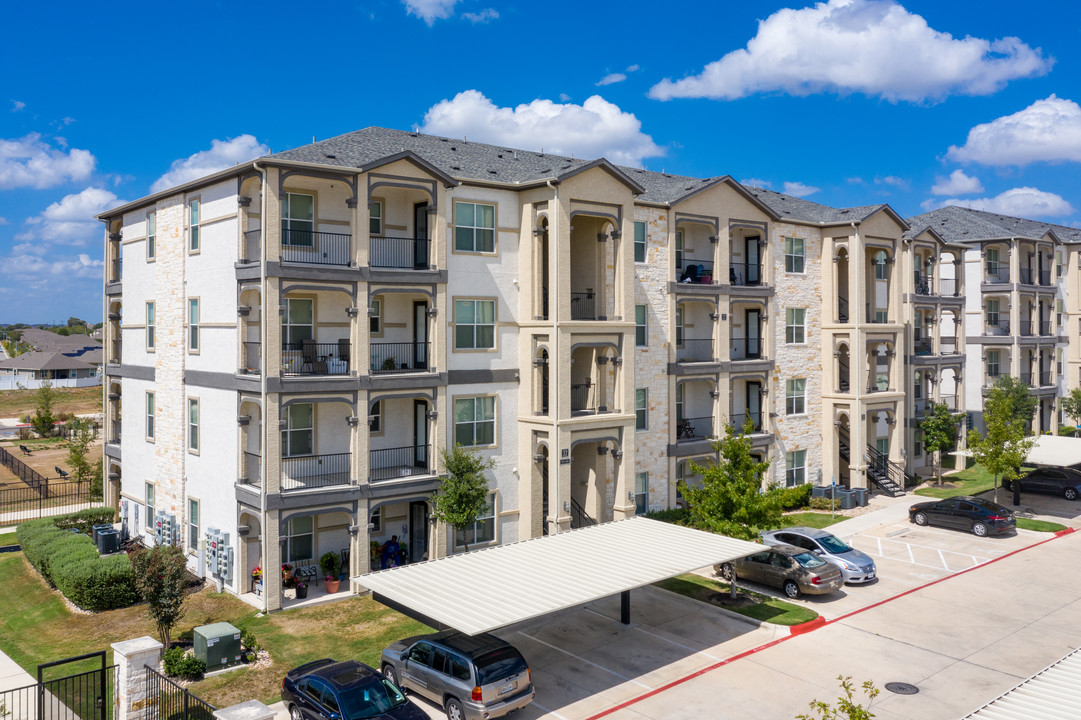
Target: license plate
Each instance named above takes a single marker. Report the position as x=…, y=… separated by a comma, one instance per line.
x=870, y=576
x=509, y=687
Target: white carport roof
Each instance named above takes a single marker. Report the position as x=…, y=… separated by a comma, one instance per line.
x=480, y=591
x=1052, y=694
x=1056, y=451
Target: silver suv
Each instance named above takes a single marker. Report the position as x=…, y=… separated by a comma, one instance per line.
x=474, y=677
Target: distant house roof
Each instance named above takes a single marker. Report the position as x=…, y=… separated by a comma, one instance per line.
x=35, y=360
x=47, y=341
x=961, y=225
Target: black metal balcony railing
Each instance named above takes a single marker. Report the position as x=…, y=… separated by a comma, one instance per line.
x=114, y=435
x=693, y=351
x=403, y=253
x=947, y=287
x=403, y=357
x=583, y=398
x=399, y=462
x=922, y=284
x=999, y=276
x=919, y=407
x=1001, y=328
x=253, y=358
x=117, y=269
x=310, y=358
x=1045, y=327
x=842, y=375
x=582, y=306
x=1027, y=276
x=311, y=472
x=1045, y=277
x=253, y=465
x=317, y=248
x=739, y=421
x=990, y=377
x=922, y=346
x=745, y=274
x=746, y=348
x=695, y=272
x=1045, y=378
x=842, y=310
x=689, y=429
x=1027, y=378
x=1024, y=328
x=252, y=251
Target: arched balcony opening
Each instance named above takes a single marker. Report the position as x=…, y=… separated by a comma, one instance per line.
x=840, y=281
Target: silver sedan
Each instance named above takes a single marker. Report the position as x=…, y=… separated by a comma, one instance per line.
x=855, y=566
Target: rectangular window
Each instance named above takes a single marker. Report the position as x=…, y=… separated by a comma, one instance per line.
x=1059, y=362
x=298, y=220
x=474, y=421
x=193, y=325
x=296, y=540
x=149, y=506
x=474, y=227
x=639, y=241
x=992, y=312
x=299, y=324
x=880, y=266
x=482, y=530
x=150, y=416
x=151, y=235
x=298, y=436
x=193, y=225
x=641, y=408
x=150, y=326
x=1059, y=262
x=793, y=255
x=992, y=363
x=1058, y=314
x=375, y=417
x=641, y=493
x=375, y=317
x=794, y=396
x=640, y=335
x=375, y=218
x=917, y=386
x=376, y=520
x=193, y=424
x=679, y=326
x=881, y=316
x=795, y=468
x=794, y=328
x=474, y=324
x=679, y=401
x=193, y=524
x=679, y=250
x=992, y=261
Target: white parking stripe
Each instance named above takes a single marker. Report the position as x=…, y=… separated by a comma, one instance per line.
x=553, y=713
x=679, y=645
x=587, y=662
x=910, y=548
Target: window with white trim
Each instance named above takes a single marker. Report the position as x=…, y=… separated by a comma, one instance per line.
x=193, y=524
x=474, y=324
x=149, y=495
x=474, y=227
x=795, y=468
x=992, y=261
x=641, y=408
x=151, y=235
x=483, y=528
x=794, y=396
x=193, y=325
x=296, y=540
x=150, y=416
x=991, y=306
x=639, y=241
x=150, y=326
x=298, y=324
x=193, y=225
x=193, y=424
x=474, y=421
x=376, y=519
x=375, y=417
x=375, y=317
x=375, y=217
x=794, y=255
x=641, y=337
x=880, y=265
x=795, y=325
x=992, y=363
x=298, y=435
x=298, y=220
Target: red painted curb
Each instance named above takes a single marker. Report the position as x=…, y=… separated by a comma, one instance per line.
x=818, y=622
x=808, y=626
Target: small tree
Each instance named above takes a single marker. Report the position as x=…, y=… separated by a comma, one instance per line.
x=847, y=708
x=82, y=434
x=464, y=492
x=160, y=579
x=44, y=419
x=1019, y=395
x=939, y=433
x=1071, y=407
x=1004, y=446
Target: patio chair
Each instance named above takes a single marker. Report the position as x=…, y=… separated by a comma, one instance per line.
x=62, y=473
x=312, y=364
x=26, y=450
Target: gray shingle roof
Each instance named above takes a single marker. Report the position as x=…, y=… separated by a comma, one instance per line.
x=958, y=224
x=794, y=208
x=45, y=361
x=48, y=341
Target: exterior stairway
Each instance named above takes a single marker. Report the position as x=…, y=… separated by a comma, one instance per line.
x=883, y=472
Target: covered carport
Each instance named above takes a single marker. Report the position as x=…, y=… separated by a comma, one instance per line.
x=480, y=591
x=1055, y=451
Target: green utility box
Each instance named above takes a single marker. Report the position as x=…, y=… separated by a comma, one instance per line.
x=217, y=645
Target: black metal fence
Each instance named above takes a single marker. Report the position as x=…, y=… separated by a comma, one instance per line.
x=165, y=700
x=583, y=306
x=81, y=696
x=400, y=462
x=312, y=358
x=51, y=497
x=315, y=471
x=400, y=357
x=403, y=253
x=319, y=248
x=21, y=470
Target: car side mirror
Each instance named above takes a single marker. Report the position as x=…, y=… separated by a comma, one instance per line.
x=404, y=656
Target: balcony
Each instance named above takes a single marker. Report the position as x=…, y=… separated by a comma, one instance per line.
x=920, y=407
x=695, y=351
x=1045, y=278
x=315, y=359
x=400, y=253
x=948, y=287
x=316, y=248
x=991, y=377
x=1027, y=378
x=253, y=465
x=1024, y=328
x=114, y=434
x=1001, y=328
x=950, y=401
x=745, y=274
x=583, y=398
x=399, y=462
x=583, y=306
x=117, y=354
x=312, y=472
x=117, y=270
x=1045, y=378
x=251, y=252
x=739, y=422
x=996, y=276
x=922, y=284
x=695, y=272
x=1045, y=328
x=922, y=346
x=253, y=358
x=400, y=357
x=746, y=348
x=691, y=429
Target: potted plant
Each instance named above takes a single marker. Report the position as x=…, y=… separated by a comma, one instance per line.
x=331, y=565
x=302, y=589
x=287, y=575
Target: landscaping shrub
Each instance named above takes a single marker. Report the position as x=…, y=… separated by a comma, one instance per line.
x=676, y=516
x=824, y=503
x=84, y=520
x=178, y=663
x=795, y=497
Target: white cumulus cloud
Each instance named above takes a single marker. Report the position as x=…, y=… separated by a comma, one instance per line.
x=957, y=184
x=893, y=180
x=596, y=128
x=30, y=161
x=798, y=189
x=484, y=16
x=611, y=79
x=1020, y=202
x=430, y=10
x=17, y=105
x=1046, y=131
x=873, y=47
x=222, y=154
x=70, y=221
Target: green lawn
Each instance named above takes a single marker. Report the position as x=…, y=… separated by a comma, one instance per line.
x=1039, y=525
x=767, y=609
x=970, y=481
x=814, y=519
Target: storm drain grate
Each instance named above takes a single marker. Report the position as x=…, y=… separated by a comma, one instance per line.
x=902, y=688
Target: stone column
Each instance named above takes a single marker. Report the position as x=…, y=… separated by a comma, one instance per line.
x=249, y=710
x=132, y=657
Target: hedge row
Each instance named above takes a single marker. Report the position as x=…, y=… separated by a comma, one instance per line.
x=70, y=562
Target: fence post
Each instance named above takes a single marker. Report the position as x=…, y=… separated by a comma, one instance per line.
x=250, y=710
x=132, y=657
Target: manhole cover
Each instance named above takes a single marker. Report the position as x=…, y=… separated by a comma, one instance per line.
x=902, y=688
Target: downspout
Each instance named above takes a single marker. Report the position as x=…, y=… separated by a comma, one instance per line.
x=553, y=362
x=853, y=447
x=263, y=376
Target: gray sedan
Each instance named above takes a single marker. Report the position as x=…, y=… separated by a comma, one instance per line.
x=788, y=567
x=855, y=566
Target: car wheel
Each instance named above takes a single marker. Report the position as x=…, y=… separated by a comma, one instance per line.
x=1069, y=494
x=791, y=589
x=979, y=529
x=919, y=518
x=728, y=571
x=294, y=713
x=390, y=674
x=454, y=709
x=1007, y=485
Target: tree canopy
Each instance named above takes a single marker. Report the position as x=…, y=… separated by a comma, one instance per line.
x=1005, y=445
x=160, y=577
x=939, y=433
x=464, y=492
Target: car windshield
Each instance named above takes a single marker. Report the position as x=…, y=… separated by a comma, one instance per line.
x=370, y=700
x=499, y=664
x=809, y=560
x=834, y=544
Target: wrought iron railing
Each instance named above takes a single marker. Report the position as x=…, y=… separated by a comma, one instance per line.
x=1024, y=328
x=316, y=248
x=252, y=251
x=950, y=401
x=922, y=284
x=923, y=346
x=401, y=357
x=695, y=351
x=311, y=358
x=1001, y=328
x=842, y=375
x=990, y=377
x=399, y=462
x=579, y=517
x=739, y=421
x=583, y=397
x=253, y=466
x=842, y=310
x=403, y=253
x=746, y=348
x=117, y=270
x=1045, y=378
x=948, y=287
x=118, y=351
x=696, y=428
x=1000, y=276
x=165, y=700
x=745, y=274
x=309, y=472
x=1045, y=277
x=695, y=272
x=1045, y=327
x=1027, y=276
x=583, y=306
x=114, y=435
x=253, y=358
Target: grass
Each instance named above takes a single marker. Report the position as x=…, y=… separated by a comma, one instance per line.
x=970, y=481
x=814, y=519
x=766, y=609
x=1039, y=525
x=18, y=403
x=36, y=627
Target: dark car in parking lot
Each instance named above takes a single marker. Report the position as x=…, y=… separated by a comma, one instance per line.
x=981, y=517
x=474, y=677
x=1065, y=482
x=790, y=568
x=348, y=690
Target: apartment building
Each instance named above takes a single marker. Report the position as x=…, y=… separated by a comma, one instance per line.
x=299, y=337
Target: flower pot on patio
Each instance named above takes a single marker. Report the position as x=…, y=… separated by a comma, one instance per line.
x=332, y=585
x=302, y=591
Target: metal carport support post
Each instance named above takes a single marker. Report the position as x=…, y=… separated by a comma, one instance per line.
x=625, y=607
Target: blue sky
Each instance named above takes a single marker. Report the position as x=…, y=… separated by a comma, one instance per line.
x=849, y=102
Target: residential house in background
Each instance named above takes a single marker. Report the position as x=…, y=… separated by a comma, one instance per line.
x=63, y=361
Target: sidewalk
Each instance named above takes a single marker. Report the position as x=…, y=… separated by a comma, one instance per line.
x=12, y=676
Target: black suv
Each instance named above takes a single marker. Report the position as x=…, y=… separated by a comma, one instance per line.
x=1053, y=481
x=349, y=690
